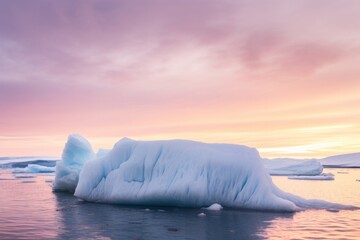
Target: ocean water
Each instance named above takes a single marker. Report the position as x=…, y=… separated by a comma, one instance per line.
x=30, y=210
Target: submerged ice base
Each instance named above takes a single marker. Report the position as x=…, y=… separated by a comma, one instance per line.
x=177, y=173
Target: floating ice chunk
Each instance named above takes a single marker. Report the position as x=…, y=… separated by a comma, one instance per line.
x=290, y=166
x=214, y=207
x=34, y=168
x=186, y=174
x=5, y=179
x=202, y=214
x=28, y=181
x=24, y=176
x=351, y=160
x=76, y=152
x=324, y=176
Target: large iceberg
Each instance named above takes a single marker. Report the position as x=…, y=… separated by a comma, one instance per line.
x=291, y=166
x=351, y=160
x=175, y=173
x=77, y=150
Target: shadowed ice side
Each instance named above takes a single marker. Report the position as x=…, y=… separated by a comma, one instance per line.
x=175, y=173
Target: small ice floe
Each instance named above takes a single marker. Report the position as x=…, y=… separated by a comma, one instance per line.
x=24, y=176
x=161, y=210
x=202, y=214
x=147, y=209
x=332, y=210
x=214, y=207
x=7, y=179
x=323, y=176
x=28, y=181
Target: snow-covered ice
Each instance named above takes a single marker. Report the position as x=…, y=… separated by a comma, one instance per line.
x=34, y=168
x=76, y=152
x=175, y=173
x=291, y=166
x=343, y=161
x=323, y=176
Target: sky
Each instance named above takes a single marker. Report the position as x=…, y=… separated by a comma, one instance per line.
x=281, y=76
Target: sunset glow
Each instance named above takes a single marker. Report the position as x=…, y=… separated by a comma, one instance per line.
x=283, y=77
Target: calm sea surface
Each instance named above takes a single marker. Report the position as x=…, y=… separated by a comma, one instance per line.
x=30, y=210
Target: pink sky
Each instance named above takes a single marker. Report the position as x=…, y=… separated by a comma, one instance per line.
x=281, y=76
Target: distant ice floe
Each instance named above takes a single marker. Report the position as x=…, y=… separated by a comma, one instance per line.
x=175, y=173
x=34, y=168
x=351, y=160
x=291, y=166
x=21, y=162
x=324, y=176
x=6, y=179
x=28, y=181
x=24, y=176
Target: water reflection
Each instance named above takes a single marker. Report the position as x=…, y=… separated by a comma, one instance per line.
x=32, y=211
x=89, y=220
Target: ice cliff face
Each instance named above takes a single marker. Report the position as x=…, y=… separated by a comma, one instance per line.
x=175, y=173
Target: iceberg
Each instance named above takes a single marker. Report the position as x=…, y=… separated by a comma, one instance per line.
x=291, y=166
x=76, y=152
x=351, y=160
x=34, y=168
x=177, y=173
